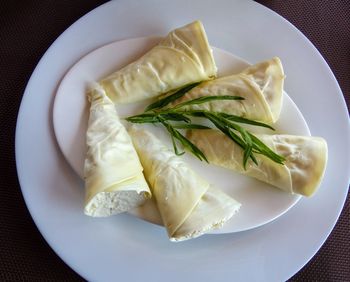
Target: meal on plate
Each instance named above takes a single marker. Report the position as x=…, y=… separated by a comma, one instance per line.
x=212, y=118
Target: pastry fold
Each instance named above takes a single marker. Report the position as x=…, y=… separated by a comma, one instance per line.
x=187, y=203
x=182, y=57
x=114, y=181
x=261, y=86
x=301, y=173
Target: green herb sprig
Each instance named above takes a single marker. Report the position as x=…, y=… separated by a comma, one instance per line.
x=228, y=124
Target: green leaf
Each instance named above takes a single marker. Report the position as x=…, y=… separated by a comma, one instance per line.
x=222, y=126
x=143, y=118
x=245, y=141
x=264, y=150
x=175, y=147
x=206, y=99
x=190, y=126
x=168, y=99
x=184, y=141
x=239, y=119
x=175, y=117
x=248, y=151
x=191, y=147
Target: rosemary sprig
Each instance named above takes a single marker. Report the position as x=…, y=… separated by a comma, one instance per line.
x=246, y=140
x=206, y=99
x=226, y=123
x=190, y=126
x=168, y=99
x=175, y=134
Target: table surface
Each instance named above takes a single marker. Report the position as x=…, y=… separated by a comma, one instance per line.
x=28, y=28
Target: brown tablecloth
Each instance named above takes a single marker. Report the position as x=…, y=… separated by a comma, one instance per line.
x=28, y=28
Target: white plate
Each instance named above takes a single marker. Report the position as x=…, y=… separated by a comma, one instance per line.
x=134, y=250
x=261, y=203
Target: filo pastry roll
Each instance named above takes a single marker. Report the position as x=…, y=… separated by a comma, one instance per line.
x=182, y=57
x=301, y=173
x=114, y=181
x=261, y=86
x=188, y=204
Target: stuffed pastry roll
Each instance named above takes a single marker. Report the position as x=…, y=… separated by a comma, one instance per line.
x=113, y=175
x=260, y=85
x=182, y=57
x=187, y=203
x=303, y=169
